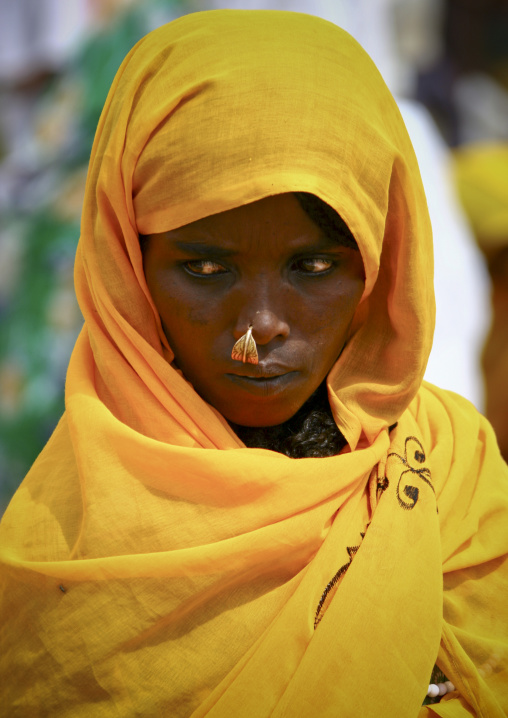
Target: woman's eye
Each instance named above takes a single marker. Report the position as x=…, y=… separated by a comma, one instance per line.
x=314, y=265
x=204, y=267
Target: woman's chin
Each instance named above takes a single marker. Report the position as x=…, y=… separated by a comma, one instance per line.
x=255, y=416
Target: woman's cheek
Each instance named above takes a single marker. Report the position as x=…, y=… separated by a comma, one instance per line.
x=199, y=316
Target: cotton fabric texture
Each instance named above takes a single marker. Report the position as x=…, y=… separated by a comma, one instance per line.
x=154, y=566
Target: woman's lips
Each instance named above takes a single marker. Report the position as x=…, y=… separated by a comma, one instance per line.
x=263, y=385
x=266, y=369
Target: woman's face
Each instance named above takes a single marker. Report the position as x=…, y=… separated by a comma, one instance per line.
x=266, y=264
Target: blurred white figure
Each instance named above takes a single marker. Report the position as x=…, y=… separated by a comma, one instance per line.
x=461, y=280
x=38, y=35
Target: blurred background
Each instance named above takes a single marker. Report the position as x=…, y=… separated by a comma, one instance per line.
x=446, y=61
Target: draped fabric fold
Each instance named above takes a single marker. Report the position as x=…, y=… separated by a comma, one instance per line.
x=152, y=565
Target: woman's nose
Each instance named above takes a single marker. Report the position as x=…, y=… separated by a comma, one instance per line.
x=263, y=304
x=266, y=325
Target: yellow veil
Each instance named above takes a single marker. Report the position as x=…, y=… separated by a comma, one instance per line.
x=154, y=566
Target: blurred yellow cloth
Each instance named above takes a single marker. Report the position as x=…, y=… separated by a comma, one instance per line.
x=154, y=566
x=481, y=171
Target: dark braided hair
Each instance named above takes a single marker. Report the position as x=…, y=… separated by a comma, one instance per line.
x=312, y=431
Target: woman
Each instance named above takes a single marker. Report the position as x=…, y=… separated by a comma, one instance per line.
x=153, y=563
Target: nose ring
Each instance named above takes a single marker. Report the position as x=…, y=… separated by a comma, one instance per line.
x=245, y=349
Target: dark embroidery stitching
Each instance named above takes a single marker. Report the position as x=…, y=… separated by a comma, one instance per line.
x=342, y=570
x=418, y=455
x=382, y=485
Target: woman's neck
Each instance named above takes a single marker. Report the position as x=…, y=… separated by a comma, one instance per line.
x=311, y=432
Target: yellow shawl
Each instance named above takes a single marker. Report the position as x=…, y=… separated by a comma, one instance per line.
x=154, y=566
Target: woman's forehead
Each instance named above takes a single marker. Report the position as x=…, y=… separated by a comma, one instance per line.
x=279, y=223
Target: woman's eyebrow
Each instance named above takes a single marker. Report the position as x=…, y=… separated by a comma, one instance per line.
x=327, y=242
x=203, y=249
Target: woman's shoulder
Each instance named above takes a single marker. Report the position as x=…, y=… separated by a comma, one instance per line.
x=468, y=473
x=436, y=396
x=46, y=510
x=444, y=416
x=457, y=436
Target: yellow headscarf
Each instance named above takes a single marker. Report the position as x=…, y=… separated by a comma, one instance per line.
x=153, y=565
